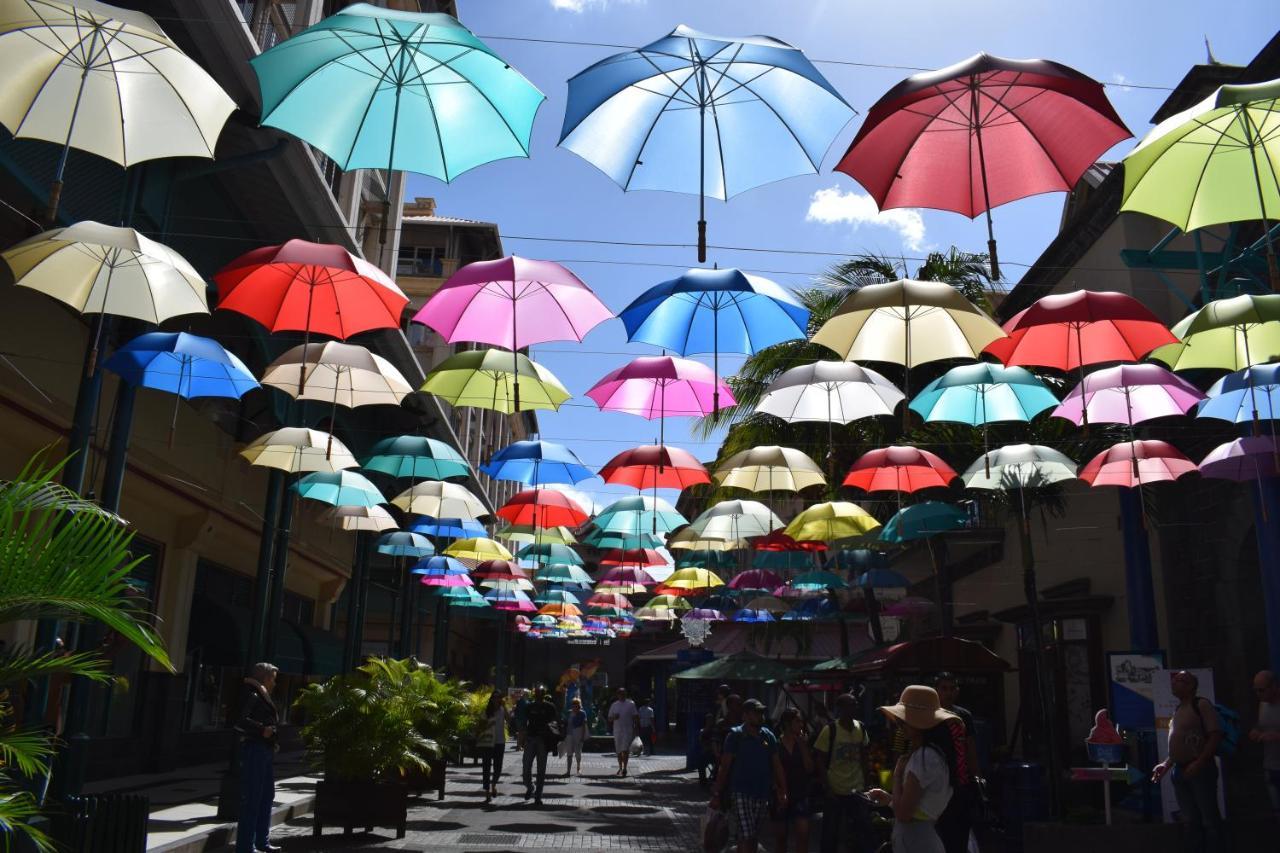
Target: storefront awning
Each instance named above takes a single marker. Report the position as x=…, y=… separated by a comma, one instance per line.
x=929, y=655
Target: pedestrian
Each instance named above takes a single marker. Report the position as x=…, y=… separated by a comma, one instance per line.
x=956, y=823
x=575, y=735
x=841, y=750
x=520, y=716
x=492, y=743
x=644, y=718
x=1194, y=735
x=539, y=738
x=750, y=772
x=798, y=766
x=256, y=726
x=622, y=716
x=925, y=776
x=722, y=701
x=1267, y=733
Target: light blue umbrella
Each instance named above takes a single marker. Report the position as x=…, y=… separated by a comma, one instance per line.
x=381, y=89
x=557, y=596
x=560, y=575
x=551, y=553
x=461, y=596
x=638, y=514
x=684, y=314
x=339, y=488
x=535, y=462
x=415, y=457
x=402, y=543
x=1244, y=396
x=439, y=565
x=754, y=108
x=446, y=528
x=979, y=394
x=920, y=521
x=818, y=580
x=607, y=540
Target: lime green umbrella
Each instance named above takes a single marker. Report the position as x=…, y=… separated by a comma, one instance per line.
x=486, y=379
x=1227, y=334
x=1214, y=163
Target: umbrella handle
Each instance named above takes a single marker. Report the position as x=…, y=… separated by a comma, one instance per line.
x=991, y=251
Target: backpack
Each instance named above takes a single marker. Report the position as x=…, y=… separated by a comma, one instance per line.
x=1229, y=720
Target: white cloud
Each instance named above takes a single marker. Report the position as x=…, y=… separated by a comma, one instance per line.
x=579, y=6
x=1118, y=82
x=832, y=206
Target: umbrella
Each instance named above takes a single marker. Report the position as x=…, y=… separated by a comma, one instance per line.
x=626, y=575
x=704, y=614
x=655, y=465
x=1212, y=163
x=339, y=488
x=1019, y=466
x=346, y=375
x=920, y=521
x=832, y=521
x=655, y=614
x=294, y=449
x=445, y=581
x=447, y=528
x=818, y=580
x=1128, y=394
x=668, y=602
x=542, y=508
x=928, y=140
x=733, y=520
x=1244, y=396
x=527, y=533
x=899, y=469
x=440, y=564
x=637, y=514
x=754, y=107
x=552, y=553
x=559, y=608
x=769, y=468
x=656, y=386
x=690, y=582
x=512, y=600
x=683, y=314
x=492, y=567
x=642, y=557
x=401, y=543
x=779, y=541
x=882, y=579
x=984, y=393
x=407, y=91
x=535, y=463
x=690, y=539
x=441, y=500
x=755, y=579
x=609, y=599
x=463, y=596
x=478, y=549
x=485, y=379
x=606, y=540
x=108, y=81
x=1248, y=458
x=368, y=518
x=520, y=584
x=582, y=498
x=416, y=457
x=767, y=604
x=1136, y=463
x=1227, y=334
x=749, y=615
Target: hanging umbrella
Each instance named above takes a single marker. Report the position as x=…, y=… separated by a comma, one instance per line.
x=564, y=577
x=582, y=498
x=346, y=375
x=484, y=379
x=899, y=469
x=606, y=540
x=463, y=596
x=753, y=616
x=1227, y=334
x=704, y=614
x=375, y=519
x=446, y=528
x=1128, y=394
x=655, y=614
x=441, y=500
x=642, y=557
x=560, y=609
x=832, y=521
x=882, y=579
x=445, y=582
x=655, y=466
x=550, y=553
x=626, y=575
x=1248, y=458
x=478, y=549
x=690, y=539
x=89, y=76
x=416, y=457
x=542, y=508
x=491, y=567
x=339, y=488
x=984, y=393
x=920, y=521
x=638, y=514
x=508, y=583
x=683, y=314
x=667, y=602
x=769, y=468
x=788, y=593
x=1019, y=466
x=661, y=386
x=512, y=600
x=688, y=582
x=1250, y=394
x=755, y=579
x=294, y=449
x=536, y=462
x=529, y=534
x=928, y=141
x=779, y=541
x=767, y=604
x=733, y=520
x=609, y=599
x=754, y=107
x=401, y=543
x=818, y=581
x=1136, y=463
x=1213, y=163
x=440, y=565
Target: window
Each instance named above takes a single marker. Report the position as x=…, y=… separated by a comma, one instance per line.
x=420, y=260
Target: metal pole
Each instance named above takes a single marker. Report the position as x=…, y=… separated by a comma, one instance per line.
x=262, y=581
x=1037, y=646
x=280, y=563
x=407, y=608
x=353, y=604
x=1140, y=594
x=55, y=191
x=362, y=600
x=982, y=166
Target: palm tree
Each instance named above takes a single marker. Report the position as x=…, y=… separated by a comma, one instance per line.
x=61, y=557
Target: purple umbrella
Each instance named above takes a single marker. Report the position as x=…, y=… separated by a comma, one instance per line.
x=755, y=579
x=1128, y=394
x=655, y=386
x=910, y=606
x=1249, y=458
x=705, y=614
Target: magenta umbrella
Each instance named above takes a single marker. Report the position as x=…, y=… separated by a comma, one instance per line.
x=655, y=386
x=485, y=301
x=755, y=579
x=626, y=575
x=1128, y=394
x=1136, y=463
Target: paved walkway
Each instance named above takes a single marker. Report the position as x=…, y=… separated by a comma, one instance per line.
x=657, y=807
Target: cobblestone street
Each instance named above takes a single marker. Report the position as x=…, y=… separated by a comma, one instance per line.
x=655, y=808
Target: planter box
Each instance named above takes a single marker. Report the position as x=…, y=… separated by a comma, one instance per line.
x=366, y=804
x=418, y=781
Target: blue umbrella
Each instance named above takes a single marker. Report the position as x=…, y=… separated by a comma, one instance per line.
x=550, y=553
x=753, y=616
x=446, y=528
x=882, y=579
x=683, y=314
x=536, y=462
x=339, y=488
x=754, y=107
x=402, y=543
x=1244, y=396
x=817, y=608
x=439, y=564
x=979, y=394
x=415, y=457
x=607, y=540
x=920, y=521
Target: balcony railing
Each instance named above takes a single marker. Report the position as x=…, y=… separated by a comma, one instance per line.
x=429, y=267
x=270, y=21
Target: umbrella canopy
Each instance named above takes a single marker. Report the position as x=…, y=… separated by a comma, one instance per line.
x=534, y=462
x=690, y=582
x=704, y=614
x=778, y=541
x=416, y=457
x=493, y=568
x=552, y=553
x=441, y=500
x=832, y=521
x=447, y=528
x=661, y=386
x=520, y=584
x=542, y=508
x=626, y=575
x=689, y=540
x=447, y=584
x=882, y=579
x=750, y=615
x=1227, y=334
x=655, y=466
x=899, y=469
x=768, y=604
x=923, y=520
x=655, y=614
x=609, y=599
x=770, y=468
x=928, y=141
x=441, y=564
x=753, y=107
x=582, y=498
x=1068, y=331
x=294, y=449
x=559, y=608
x=1249, y=458
x=818, y=580
x=511, y=600
x=1019, y=466
x=528, y=534
x=478, y=549
x=100, y=269
x=606, y=540
x=564, y=575
x=830, y=391
x=733, y=520
x=1128, y=394
x=755, y=579
x=984, y=393
x=486, y=379
x=345, y=375
x=183, y=364
x=402, y=543
x=638, y=514
x=380, y=88
x=1247, y=395
x=462, y=596
x=339, y=488
x=668, y=602
x=642, y=557
x=1136, y=463
x=369, y=518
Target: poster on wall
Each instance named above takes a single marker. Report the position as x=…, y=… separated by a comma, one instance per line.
x=1165, y=704
x=1129, y=675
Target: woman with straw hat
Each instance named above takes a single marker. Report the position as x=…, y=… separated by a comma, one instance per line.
x=923, y=778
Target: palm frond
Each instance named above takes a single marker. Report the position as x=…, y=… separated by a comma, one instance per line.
x=17, y=810
x=26, y=750
x=18, y=665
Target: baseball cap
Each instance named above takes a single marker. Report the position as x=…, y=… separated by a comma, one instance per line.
x=753, y=705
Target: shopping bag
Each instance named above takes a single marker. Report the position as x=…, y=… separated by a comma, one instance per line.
x=637, y=745
x=715, y=831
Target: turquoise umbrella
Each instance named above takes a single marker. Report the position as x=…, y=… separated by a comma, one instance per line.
x=819, y=580
x=639, y=514
x=461, y=596
x=550, y=553
x=921, y=521
x=607, y=540
x=340, y=488
x=402, y=543
x=978, y=394
x=415, y=457
x=557, y=596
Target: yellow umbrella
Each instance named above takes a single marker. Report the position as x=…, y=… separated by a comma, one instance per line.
x=487, y=379
x=668, y=602
x=770, y=468
x=692, y=579
x=831, y=522
x=478, y=549
x=294, y=449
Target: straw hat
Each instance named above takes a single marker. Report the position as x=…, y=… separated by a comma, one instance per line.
x=918, y=707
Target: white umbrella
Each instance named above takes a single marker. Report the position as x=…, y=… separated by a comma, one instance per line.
x=735, y=520
x=829, y=391
x=372, y=518
x=347, y=375
x=769, y=468
x=294, y=449
x=689, y=539
x=439, y=499
x=1019, y=466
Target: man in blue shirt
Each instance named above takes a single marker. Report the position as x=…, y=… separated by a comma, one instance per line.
x=751, y=770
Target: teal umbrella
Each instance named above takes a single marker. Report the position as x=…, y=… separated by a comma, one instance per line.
x=340, y=488
x=712, y=560
x=461, y=596
x=607, y=540
x=550, y=553
x=819, y=580
x=639, y=514
x=563, y=576
x=557, y=596
x=978, y=394
x=415, y=457
x=402, y=543
x=921, y=521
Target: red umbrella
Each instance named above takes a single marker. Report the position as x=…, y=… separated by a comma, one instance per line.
x=543, y=508
x=655, y=466
x=609, y=599
x=980, y=133
x=778, y=540
x=494, y=570
x=899, y=469
x=1136, y=463
x=632, y=557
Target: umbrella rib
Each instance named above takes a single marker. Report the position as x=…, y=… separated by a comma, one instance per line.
x=656, y=118
x=1203, y=170
x=176, y=93
x=1052, y=161
x=783, y=123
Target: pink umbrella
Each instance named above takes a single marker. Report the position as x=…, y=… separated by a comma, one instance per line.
x=1128, y=394
x=484, y=301
x=654, y=386
x=626, y=575
x=755, y=579
x=1136, y=463
x=910, y=606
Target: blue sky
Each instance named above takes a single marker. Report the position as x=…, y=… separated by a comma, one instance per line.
x=555, y=194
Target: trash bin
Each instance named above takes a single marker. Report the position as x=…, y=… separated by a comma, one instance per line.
x=108, y=823
x=1024, y=797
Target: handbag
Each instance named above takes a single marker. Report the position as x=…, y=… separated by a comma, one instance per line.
x=715, y=830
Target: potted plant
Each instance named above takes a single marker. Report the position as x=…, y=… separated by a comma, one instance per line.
x=447, y=713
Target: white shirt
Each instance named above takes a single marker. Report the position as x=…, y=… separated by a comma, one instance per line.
x=623, y=713
x=930, y=769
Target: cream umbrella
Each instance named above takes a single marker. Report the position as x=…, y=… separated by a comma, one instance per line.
x=369, y=518
x=294, y=449
x=439, y=499
x=769, y=468
x=831, y=521
x=93, y=77
x=735, y=520
x=688, y=539
x=347, y=375
x=528, y=534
